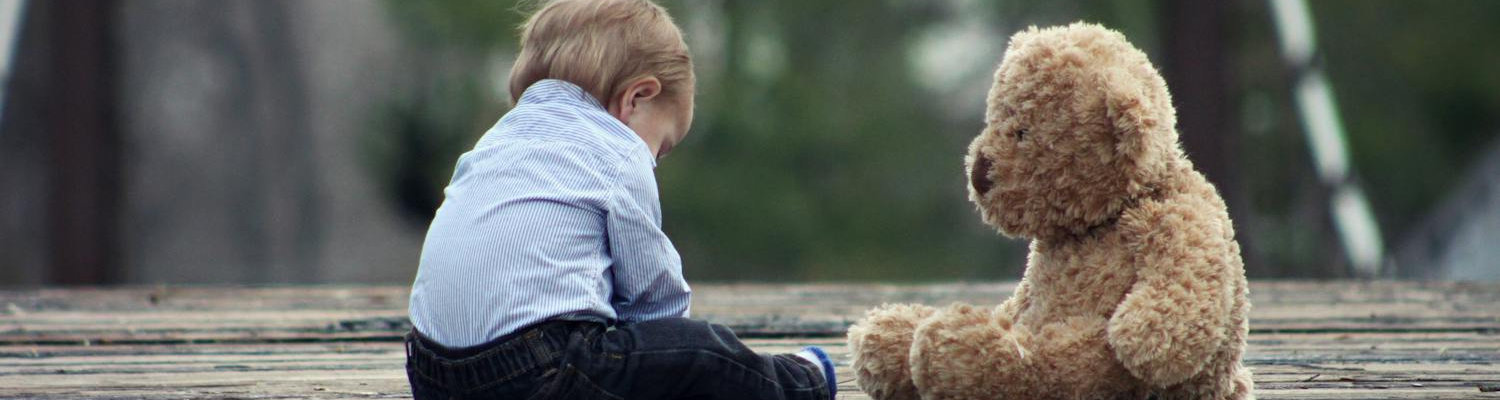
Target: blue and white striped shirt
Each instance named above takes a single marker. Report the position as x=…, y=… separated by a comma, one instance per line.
x=553, y=215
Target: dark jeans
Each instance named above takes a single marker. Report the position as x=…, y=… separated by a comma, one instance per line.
x=674, y=358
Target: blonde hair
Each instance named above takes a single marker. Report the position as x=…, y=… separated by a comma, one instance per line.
x=601, y=46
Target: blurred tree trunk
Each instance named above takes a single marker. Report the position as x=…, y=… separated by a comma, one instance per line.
x=1197, y=71
x=84, y=146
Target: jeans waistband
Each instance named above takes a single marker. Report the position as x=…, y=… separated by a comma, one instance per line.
x=497, y=361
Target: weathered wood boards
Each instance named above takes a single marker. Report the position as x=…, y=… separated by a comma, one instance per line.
x=1335, y=340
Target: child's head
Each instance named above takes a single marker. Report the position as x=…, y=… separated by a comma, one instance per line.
x=626, y=53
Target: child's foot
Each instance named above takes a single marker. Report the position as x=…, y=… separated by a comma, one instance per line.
x=816, y=356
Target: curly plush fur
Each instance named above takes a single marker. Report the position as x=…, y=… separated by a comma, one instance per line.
x=1134, y=286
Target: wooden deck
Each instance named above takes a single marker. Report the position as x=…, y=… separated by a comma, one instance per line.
x=1337, y=340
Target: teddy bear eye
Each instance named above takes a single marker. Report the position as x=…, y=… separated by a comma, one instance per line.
x=1020, y=134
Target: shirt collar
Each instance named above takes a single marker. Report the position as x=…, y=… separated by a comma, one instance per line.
x=553, y=90
x=557, y=90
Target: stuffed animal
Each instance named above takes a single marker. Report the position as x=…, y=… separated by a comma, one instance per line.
x=1134, y=286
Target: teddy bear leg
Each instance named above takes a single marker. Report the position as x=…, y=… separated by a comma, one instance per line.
x=967, y=353
x=1243, y=387
x=1228, y=383
x=880, y=345
x=963, y=352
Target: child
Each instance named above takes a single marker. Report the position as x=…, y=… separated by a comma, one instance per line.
x=545, y=273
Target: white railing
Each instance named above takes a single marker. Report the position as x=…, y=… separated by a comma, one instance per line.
x=1358, y=230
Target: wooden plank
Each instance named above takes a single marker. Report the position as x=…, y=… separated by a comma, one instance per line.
x=373, y=370
x=1451, y=295
x=1311, y=340
x=290, y=314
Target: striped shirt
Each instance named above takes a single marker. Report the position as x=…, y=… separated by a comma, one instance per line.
x=553, y=215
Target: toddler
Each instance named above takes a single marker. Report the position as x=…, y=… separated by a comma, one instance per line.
x=545, y=273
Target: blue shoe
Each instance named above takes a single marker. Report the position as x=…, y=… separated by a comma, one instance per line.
x=827, y=364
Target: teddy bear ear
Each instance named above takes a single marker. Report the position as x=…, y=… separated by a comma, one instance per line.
x=1136, y=128
x=1125, y=105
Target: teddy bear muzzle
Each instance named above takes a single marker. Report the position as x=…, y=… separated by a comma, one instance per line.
x=979, y=175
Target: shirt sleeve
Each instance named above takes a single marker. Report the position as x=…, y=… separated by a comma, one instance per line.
x=647, y=270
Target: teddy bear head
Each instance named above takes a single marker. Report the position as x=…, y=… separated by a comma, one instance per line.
x=1078, y=126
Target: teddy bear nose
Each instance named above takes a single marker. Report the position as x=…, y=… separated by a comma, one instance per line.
x=979, y=174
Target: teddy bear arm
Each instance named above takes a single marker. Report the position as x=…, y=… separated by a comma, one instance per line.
x=1010, y=311
x=1174, y=318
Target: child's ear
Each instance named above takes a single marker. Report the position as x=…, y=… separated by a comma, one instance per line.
x=642, y=89
x=646, y=88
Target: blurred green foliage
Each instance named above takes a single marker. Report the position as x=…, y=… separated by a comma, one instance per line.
x=818, y=154
x=414, y=142
x=1419, y=88
x=1419, y=95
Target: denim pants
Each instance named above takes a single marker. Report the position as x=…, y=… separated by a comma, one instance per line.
x=675, y=358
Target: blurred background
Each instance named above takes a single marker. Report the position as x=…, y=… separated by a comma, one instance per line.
x=271, y=141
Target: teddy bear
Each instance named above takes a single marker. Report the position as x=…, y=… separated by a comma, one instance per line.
x=1134, y=287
